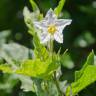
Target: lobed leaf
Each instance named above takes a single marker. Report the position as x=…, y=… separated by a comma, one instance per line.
x=88, y=77
x=90, y=61
x=6, y=68
x=84, y=77
x=33, y=68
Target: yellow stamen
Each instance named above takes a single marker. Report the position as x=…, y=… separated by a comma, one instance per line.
x=52, y=29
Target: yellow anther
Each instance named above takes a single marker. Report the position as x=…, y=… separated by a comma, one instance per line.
x=52, y=29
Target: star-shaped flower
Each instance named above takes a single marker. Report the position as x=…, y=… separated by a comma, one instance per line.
x=52, y=28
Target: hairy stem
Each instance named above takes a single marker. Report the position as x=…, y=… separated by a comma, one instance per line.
x=57, y=85
x=54, y=76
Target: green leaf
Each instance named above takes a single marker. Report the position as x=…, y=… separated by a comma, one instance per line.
x=9, y=81
x=29, y=18
x=3, y=36
x=27, y=83
x=63, y=86
x=33, y=68
x=15, y=51
x=40, y=51
x=39, y=90
x=88, y=77
x=14, y=54
x=6, y=68
x=90, y=61
x=84, y=77
x=52, y=89
x=34, y=5
x=59, y=8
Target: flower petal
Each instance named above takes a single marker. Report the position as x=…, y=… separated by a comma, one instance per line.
x=60, y=29
x=58, y=37
x=44, y=37
x=50, y=17
x=63, y=22
x=40, y=25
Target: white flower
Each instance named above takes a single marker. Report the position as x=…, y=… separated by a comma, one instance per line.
x=52, y=27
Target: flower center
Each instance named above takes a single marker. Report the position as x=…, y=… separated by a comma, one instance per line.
x=52, y=29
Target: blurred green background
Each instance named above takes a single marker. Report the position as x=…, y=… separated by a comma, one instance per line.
x=79, y=37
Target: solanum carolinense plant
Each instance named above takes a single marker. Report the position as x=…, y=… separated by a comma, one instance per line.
x=43, y=70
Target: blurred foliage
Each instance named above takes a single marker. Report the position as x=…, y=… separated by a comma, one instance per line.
x=80, y=39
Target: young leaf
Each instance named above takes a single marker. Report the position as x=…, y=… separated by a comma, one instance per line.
x=59, y=8
x=88, y=77
x=90, y=61
x=29, y=18
x=84, y=77
x=40, y=50
x=34, y=5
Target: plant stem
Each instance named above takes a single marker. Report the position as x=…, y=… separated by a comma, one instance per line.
x=51, y=48
x=46, y=87
x=54, y=76
x=57, y=84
